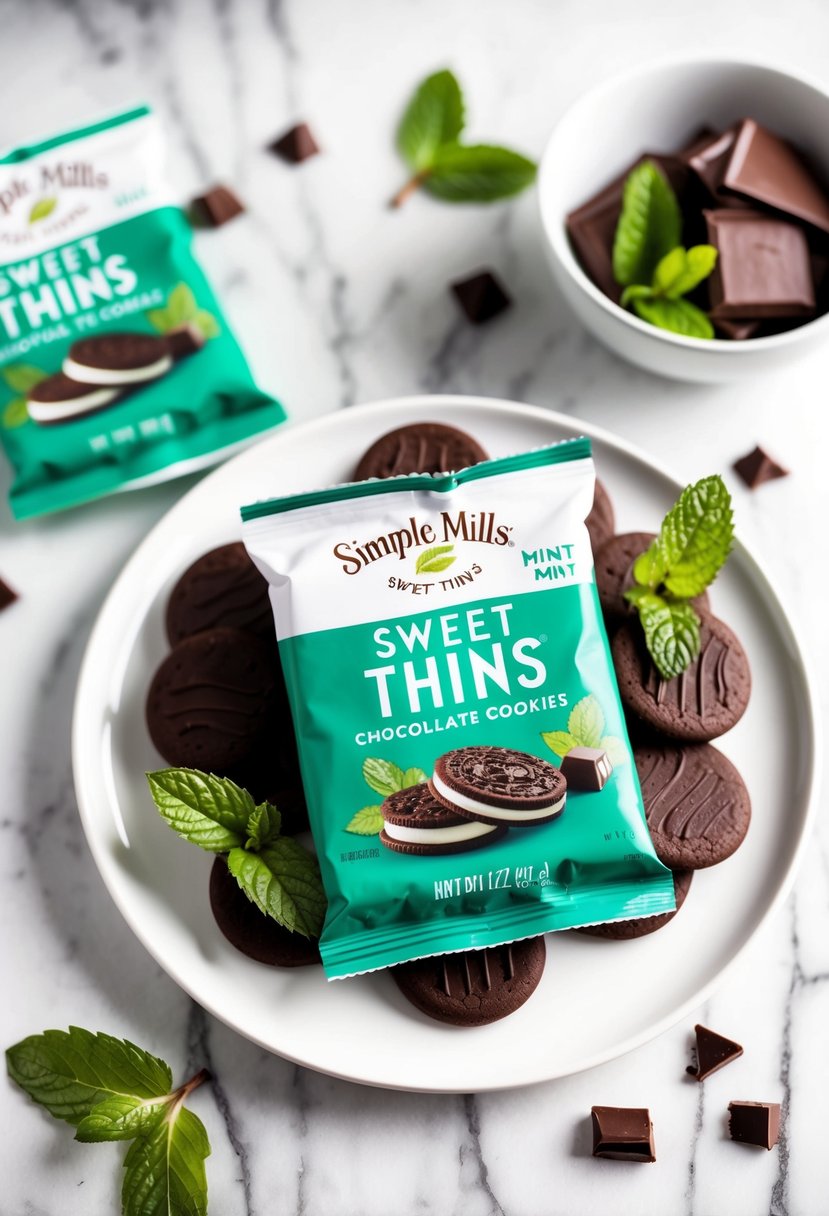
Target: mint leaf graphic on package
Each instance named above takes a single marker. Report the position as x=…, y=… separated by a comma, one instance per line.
x=585, y=728
x=367, y=822
x=181, y=309
x=433, y=561
x=384, y=778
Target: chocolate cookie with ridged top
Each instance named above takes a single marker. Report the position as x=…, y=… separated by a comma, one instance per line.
x=705, y=701
x=250, y=930
x=474, y=987
x=602, y=520
x=499, y=785
x=614, y=563
x=414, y=822
x=641, y=926
x=696, y=804
x=221, y=588
x=214, y=700
x=423, y=447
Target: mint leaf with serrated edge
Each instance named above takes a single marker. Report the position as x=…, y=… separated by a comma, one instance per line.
x=696, y=537
x=586, y=721
x=263, y=827
x=121, y=1118
x=382, y=776
x=671, y=633
x=211, y=812
x=283, y=880
x=677, y=316
x=433, y=117
x=367, y=822
x=413, y=776
x=429, y=561
x=559, y=741
x=165, y=1174
x=649, y=226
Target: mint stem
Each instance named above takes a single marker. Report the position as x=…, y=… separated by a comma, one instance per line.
x=187, y=1088
x=411, y=185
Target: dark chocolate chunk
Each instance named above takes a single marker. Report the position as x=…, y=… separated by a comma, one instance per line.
x=216, y=207
x=714, y=1051
x=295, y=145
x=250, y=930
x=766, y=169
x=737, y=331
x=754, y=1123
x=763, y=267
x=641, y=926
x=481, y=297
x=421, y=447
x=623, y=1133
x=7, y=595
x=710, y=158
x=757, y=467
x=586, y=768
x=222, y=588
x=185, y=340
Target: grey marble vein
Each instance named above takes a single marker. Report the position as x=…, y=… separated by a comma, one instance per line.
x=470, y=1151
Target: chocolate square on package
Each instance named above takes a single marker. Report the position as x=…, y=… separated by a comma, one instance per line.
x=754, y=1123
x=586, y=768
x=767, y=170
x=216, y=207
x=763, y=267
x=623, y=1133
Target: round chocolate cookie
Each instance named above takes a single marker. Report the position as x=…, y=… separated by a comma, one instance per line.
x=702, y=703
x=474, y=987
x=696, y=804
x=117, y=359
x=220, y=588
x=59, y=399
x=614, y=575
x=498, y=785
x=213, y=700
x=423, y=447
x=414, y=822
x=251, y=931
x=602, y=520
x=271, y=774
x=641, y=926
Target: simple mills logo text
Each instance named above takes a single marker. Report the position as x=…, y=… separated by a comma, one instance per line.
x=479, y=527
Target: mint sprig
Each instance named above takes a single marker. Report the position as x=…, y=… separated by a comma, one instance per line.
x=109, y=1089
x=693, y=544
x=181, y=309
x=275, y=872
x=655, y=270
x=428, y=139
x=585, y=728
x=383, y=778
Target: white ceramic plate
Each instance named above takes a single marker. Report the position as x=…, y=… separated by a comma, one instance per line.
x=363, y=1029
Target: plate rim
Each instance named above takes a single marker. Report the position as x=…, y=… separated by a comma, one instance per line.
x=107, y=868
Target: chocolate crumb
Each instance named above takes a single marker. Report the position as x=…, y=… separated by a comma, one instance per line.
x=7, y=595
x=295, y=145
x=481, y=297
x=215, y=207
x=714, y=1051
x=757, y=467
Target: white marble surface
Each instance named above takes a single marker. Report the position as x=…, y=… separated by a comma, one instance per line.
x=340, y=301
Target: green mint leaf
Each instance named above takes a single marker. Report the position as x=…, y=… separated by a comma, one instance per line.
x=69, y=1072
x=212, y=812
x=367, y=822
x=159, y=319
x=634, y=595
x=650, y=225
x=478, y=174
x=15, y=414
x=206, y=324
x=586, y=721
x=636, y=291
x=383, y=777
x=413, y=776
x=165, y=1173
x=678, y=316
x=671, y=633
x=696, y=537
x=22, y=377
x=433, y=117
x=121, y=1118
x=263, y=827
x=559, y=741
x=617, y=753
x=284, y=882
x=181, y=305
x=431, y=561
x=682, y=270
x=649, y=568
x=42, y=208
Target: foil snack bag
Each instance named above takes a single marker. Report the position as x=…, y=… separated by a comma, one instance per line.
x=465, y=759
x=116, y=364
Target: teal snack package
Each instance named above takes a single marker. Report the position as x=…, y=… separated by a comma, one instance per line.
x=463, y=749
x=117, y=367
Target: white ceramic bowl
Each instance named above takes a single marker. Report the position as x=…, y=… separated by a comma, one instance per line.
x=656, y=108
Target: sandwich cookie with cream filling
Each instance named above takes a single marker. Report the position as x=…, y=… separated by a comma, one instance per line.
x=499, y=786
x=414, y=822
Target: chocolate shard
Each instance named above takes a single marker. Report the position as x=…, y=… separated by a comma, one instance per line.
x=216, y=206
x=586, y=768
x=714, y=1051
x=757, y=467
x=7, y=595
x=767, y=170
x=737, y=331
x=481, y=297
x=709, y=159
x=763, y=267
x=754, y=1123
x=623, y=1133
x=295, y=145
x=183, y=341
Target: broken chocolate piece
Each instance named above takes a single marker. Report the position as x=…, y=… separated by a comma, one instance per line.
x=757, y=467
x=185, y=340
x=766, y=169
x=622, y=1133
x=586, y=768
x=737, y=331
x=763, y=268
x=216, y=207
x=709, y=159
x=714, y=1051
x=481, y=297
x=7, y=595
x=296, y=145
x=754, y=1123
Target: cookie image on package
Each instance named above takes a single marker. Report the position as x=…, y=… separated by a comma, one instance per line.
x=59, y=399
x=499, y=786
x=473, y=987
x=118, y=359
x=423, y=447
x=414, y=822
